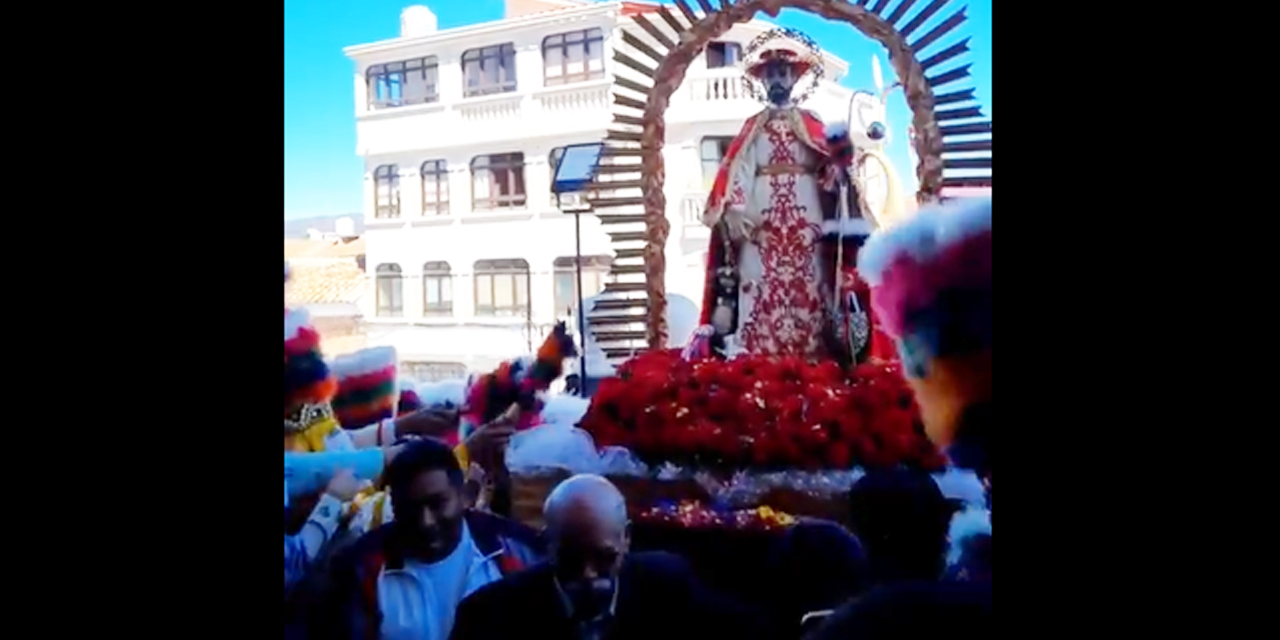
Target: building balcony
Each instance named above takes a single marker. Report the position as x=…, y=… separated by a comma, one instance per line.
x=545, y=111
x=708, y=95
x=712, y=94
x=722, y=95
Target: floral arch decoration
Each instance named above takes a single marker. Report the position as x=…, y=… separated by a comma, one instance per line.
x=650, y=75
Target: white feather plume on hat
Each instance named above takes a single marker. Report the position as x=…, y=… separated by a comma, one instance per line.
x=836, y=130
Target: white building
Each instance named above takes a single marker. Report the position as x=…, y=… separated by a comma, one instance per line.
x=469, y=258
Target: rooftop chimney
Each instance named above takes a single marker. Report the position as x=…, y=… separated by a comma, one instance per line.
x=416, y=21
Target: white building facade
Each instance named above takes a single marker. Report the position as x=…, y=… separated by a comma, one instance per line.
x=468, y=256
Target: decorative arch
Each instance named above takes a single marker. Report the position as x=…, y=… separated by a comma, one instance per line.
x=688, y=37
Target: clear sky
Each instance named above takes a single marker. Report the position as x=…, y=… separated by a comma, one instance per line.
x=323, y=176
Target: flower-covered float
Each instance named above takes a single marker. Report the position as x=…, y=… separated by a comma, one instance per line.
x=788, y=389
x=752, y=440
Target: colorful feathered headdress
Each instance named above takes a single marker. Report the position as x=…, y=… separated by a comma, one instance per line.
x=513, y=387
x=930, y=283
x=367, y=387
x=307, y=379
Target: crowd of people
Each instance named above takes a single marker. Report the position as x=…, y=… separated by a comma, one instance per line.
x=447, y=563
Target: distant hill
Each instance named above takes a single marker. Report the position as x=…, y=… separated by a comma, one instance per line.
x=298, y=228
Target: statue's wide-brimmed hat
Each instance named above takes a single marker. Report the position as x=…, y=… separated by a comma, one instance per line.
x=800, y=62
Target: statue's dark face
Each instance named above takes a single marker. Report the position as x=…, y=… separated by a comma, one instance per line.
x=779, y=78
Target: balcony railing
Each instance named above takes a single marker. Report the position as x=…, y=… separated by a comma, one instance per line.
x=488, y=110
x=554, y=100
x=484, y=119
x=691, y=205
x=720, y=87
x=691, y=227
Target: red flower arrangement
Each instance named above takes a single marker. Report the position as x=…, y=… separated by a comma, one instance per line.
x=760, y=412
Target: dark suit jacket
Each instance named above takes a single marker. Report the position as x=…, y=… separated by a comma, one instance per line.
x=658, y=597
x=912, y=610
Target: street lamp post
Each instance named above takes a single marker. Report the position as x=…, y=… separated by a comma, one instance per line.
x=576, y=170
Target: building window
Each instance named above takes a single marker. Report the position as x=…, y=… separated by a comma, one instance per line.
x=712, y=151
x=396, y=84
x=489, y=70
x=497, y=181
x=577, y=56
x=554, y=160
x=723, y=54
x=595, y=273
x=435, y=188
x=437, y=289
x=386, y=191
x=389, y=291
x=502, y=288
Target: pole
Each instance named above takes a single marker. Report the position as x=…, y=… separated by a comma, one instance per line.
x=582, y=313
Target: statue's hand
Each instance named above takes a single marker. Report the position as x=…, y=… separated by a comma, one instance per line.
x=739, y=225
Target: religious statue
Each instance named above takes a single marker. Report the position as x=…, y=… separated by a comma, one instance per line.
x=786, y=224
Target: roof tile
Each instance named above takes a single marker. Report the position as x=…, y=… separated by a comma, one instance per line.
x=324, y=282
x=297, y=248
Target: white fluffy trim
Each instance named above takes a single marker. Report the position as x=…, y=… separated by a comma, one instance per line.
x=363, y=362
x=848, y=227
x=294, y=320
x=564, y=410
x=924, y=235
x=439, y=394
x=836, y=130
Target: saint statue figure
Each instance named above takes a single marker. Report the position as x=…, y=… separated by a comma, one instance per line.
x=781, y=275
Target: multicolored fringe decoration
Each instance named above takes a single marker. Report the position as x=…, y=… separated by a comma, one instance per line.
x=367, y=387
x=513, y=387
x=306, y=377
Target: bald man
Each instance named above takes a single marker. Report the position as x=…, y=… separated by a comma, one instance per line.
x=592, y=588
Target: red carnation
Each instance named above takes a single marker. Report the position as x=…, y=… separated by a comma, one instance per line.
x=761, y=411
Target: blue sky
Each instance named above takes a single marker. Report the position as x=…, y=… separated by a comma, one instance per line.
x=323, y=176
